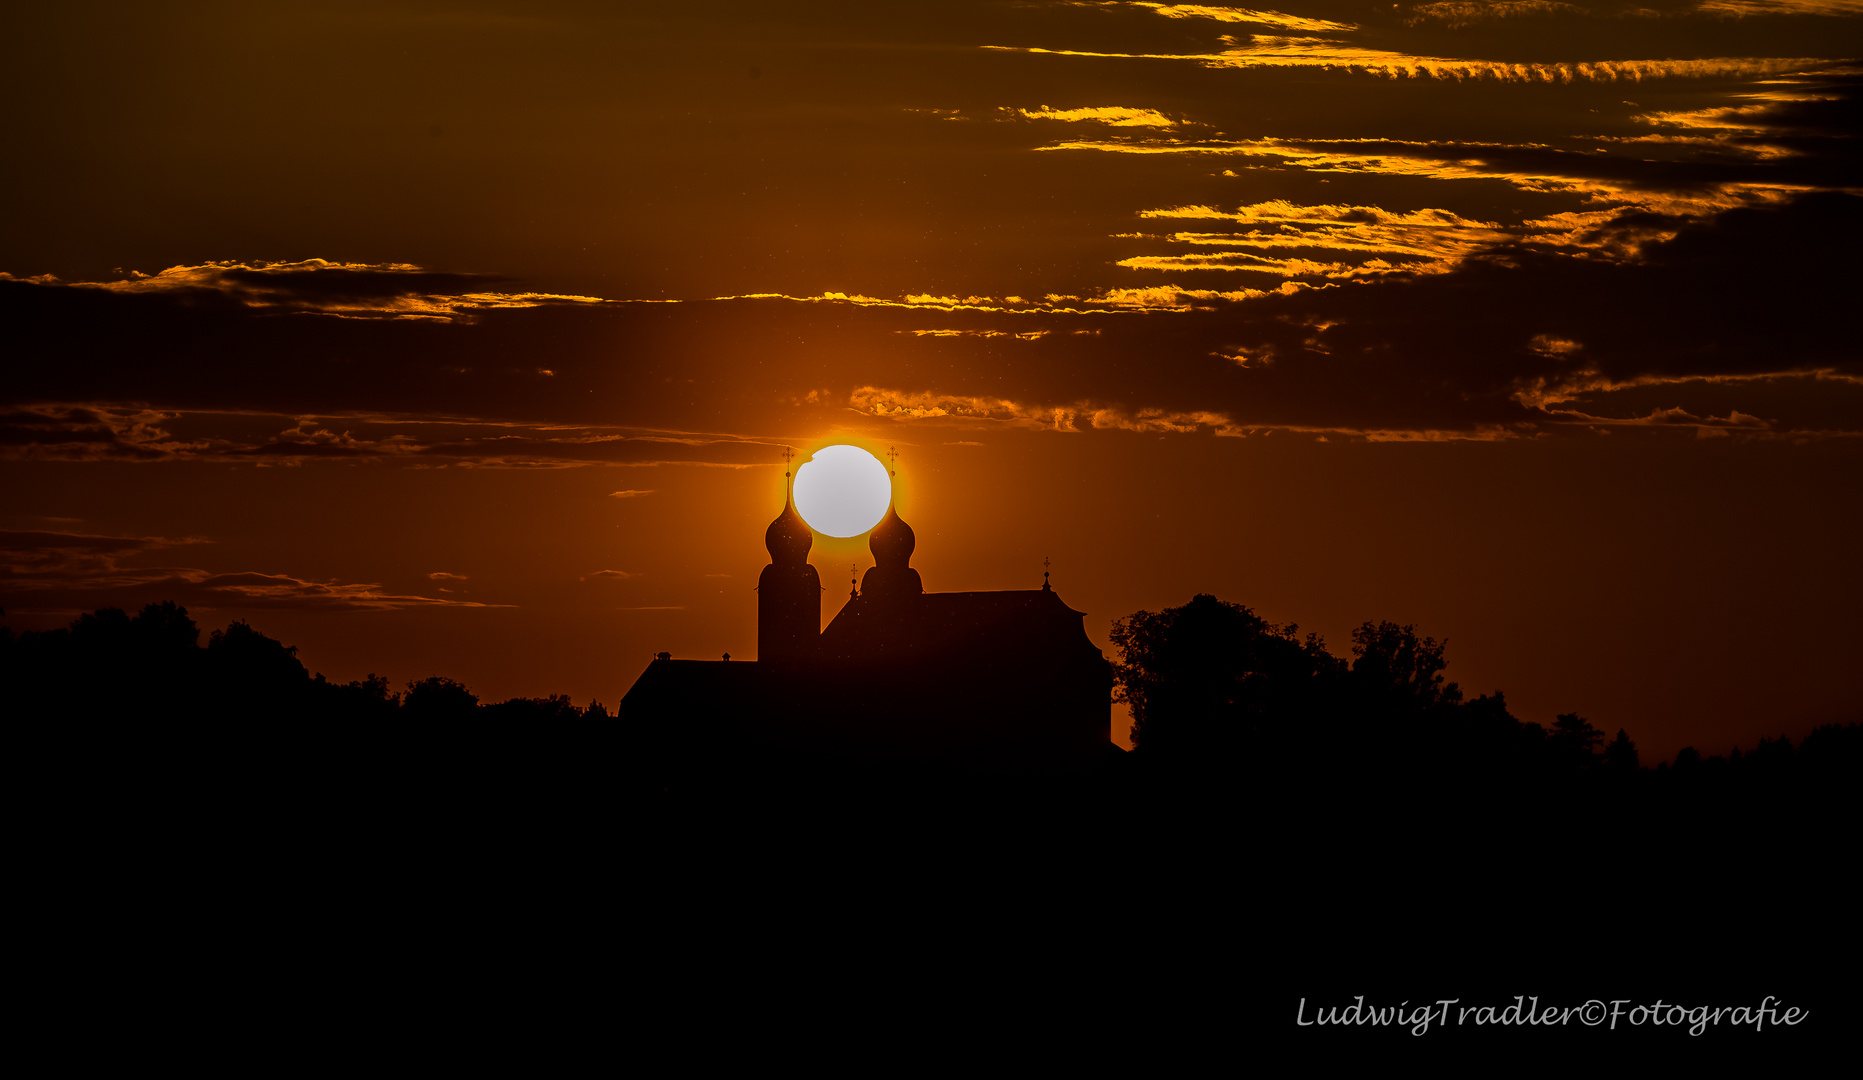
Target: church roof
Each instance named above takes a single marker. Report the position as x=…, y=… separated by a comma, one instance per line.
x=696, y=686
x=981, y=624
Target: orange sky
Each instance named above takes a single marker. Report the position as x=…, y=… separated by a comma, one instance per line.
x=464, y=339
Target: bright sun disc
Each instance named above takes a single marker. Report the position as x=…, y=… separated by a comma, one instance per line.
x=842, y=491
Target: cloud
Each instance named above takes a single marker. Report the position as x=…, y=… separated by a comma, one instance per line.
x=1671, y=285
x=1742, y=9
x=1110, y=115
x=90, y=433
x=282, y=591
x=1181, y=298
x=1269, y=51
x=607, y=575
x=1236, y=15
x=1029, y=335
x=441, y=575
x=1081, y=416
x=914, y=300
x=351, y=290
x=1456, y=14
x=62, y=572
x=1549, y=345
x=1431, y=241
x=1797, y=149
x=33, y=557
x=1513, y=341
x=630, y=493
x=115, y=431
x=926, y=301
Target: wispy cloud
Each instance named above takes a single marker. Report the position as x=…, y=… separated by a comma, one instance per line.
x=1216, y=13
x=1078, y=416
x=1297, y=52
x=1647, y=187
x=1052, y=303
x=1457, y=14
x=1110, y=115
x=1426, y=241
x=351, y=290
x=1029, y=335
x=111, y=431
x=1181, y=298
x=630, y=493
x=1742, y=9
x=53, y=571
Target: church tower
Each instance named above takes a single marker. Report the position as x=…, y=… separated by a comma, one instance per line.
x=789, y=591
x=892, y=542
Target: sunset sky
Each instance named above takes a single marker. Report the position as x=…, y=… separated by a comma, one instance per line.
x=465, y=339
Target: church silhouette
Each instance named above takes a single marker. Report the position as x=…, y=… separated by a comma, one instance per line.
x=985, y=681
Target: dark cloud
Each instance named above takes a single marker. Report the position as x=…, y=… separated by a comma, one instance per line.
x=68, y=572
x=318, y=286
x=211, y=432
x=1456, y=14
x=1544, y=232
x=1498, y=343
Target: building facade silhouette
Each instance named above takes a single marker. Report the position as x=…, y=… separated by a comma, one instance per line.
x=987, y=681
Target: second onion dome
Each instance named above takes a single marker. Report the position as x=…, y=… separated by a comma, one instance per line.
x=892, y=543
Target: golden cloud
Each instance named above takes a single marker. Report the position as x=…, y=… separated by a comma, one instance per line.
x=1110, y=115
x=1241, y=15
x=346, y=290
x=1268, y=51
x=922, y=405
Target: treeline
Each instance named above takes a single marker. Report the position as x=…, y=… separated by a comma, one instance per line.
x=1331, y=764
x=1212, y=684
x=189, y=757
x=109, y=665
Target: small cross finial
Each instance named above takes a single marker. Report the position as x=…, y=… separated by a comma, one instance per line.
x=892, y=456
x=853, y=569
x=788, y=455
x=1044, y=571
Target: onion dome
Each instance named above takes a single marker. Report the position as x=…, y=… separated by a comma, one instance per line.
x=892, y=541
x=789, y=537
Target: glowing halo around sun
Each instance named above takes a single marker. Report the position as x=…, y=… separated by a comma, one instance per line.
x=842, y=491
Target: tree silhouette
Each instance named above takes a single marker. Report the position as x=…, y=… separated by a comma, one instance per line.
x=361, y=699
x=1402, y=671
x=165, y=628
x=1621, y=756
x=439, y=699
x=1211, y=676
x=556, y=708
x=1574, y=740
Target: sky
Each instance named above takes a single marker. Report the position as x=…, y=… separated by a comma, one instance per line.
x=466, y=339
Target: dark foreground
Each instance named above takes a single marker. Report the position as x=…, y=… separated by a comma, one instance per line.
x=207, y=864
x=425, y=876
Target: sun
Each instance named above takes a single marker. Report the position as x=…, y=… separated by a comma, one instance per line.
x=842, y=491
